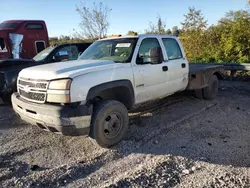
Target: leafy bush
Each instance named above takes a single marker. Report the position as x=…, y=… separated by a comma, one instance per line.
x=228, y=41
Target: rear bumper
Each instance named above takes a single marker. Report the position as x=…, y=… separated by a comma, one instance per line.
x=65, y=120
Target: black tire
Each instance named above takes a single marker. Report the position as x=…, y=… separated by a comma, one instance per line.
x=6, y=99
x=199, y=93
x=210, y=92
x=109, y=123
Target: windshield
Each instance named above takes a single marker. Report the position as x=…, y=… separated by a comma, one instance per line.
x=43, y=54
x=117, y=50
x=5, y=25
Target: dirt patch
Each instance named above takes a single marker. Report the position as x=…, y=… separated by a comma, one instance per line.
x=186, y=143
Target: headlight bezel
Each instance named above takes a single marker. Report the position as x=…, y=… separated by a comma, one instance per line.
x=65, y=83
x=59, y=91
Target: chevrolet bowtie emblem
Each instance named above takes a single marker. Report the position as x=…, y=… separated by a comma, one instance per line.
x=27, y=89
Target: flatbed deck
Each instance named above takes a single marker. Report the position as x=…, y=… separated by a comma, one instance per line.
x=201, y=67
x=200, y=74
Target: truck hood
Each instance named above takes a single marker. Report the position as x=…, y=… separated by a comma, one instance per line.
x=68, y=69
x=14, y=62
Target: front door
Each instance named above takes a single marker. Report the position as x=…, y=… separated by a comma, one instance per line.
x=150, y=78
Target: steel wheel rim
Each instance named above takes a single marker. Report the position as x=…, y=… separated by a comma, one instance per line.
x=112, y=125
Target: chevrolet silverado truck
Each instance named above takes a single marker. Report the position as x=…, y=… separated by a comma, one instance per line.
x=93, y=94
x=9, y=68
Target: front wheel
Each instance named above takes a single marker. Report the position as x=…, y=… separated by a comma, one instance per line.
x=109, y=123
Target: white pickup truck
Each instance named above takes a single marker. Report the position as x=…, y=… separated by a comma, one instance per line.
x=92, y=95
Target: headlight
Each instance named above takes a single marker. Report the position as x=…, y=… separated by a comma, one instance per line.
x=60, y=84
x=57, y=98
x=58, y=91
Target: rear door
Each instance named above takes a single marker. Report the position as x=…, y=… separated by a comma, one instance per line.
x=177, y=65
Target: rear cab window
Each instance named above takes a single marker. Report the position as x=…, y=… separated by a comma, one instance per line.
x=34, y=26
x=172, y=48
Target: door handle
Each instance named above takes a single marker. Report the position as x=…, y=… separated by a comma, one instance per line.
x=183, y=65
x=164, y=68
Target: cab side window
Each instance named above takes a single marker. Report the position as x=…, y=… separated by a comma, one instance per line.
x=172, y=48
x=40, y=46
x=3, y=45
x=67, y=53
x=149, y=52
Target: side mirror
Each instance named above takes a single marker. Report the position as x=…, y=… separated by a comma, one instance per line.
x=61, y=56
x=155, y=55
x=141, y=60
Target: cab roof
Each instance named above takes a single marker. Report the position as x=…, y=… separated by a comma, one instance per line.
x=21, y=21
x=139, y=36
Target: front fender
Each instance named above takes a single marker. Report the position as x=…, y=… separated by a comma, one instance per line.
x=84, y=87
x=94, y=91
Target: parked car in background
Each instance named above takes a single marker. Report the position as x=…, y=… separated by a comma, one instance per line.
x=10, y=68
x=22, y=38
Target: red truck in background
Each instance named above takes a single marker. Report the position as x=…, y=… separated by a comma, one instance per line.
x=22, y=38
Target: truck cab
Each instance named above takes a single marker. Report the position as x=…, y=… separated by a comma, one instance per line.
x=22, y=38
x=92, y=95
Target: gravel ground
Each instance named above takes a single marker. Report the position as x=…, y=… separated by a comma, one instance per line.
x=185, y=143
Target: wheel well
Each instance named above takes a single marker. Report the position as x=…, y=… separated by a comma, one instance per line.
x=219, y=75
x=120, y=93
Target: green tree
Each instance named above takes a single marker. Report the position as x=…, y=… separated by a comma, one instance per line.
x=235, y=40
x=228, y=41
x=169, y=32
x=192, y=34
x=194, y=20
x=63, y=37
x=175, y=31
x=159, y=28
x=67, y=39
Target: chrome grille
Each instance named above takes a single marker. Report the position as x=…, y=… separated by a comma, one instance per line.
x=40, y=97
x=33, y=90
x=33, y=84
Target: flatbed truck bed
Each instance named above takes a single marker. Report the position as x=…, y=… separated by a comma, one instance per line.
x=201, y=74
